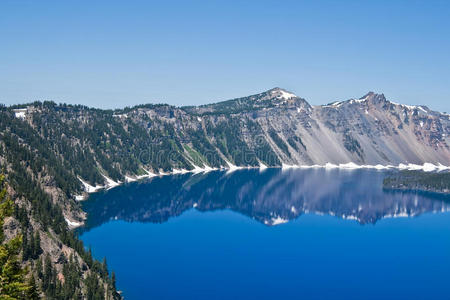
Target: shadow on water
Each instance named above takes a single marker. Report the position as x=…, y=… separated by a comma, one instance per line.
x=272, y=196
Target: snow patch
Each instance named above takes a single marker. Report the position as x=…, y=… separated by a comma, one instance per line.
x=207, y=168
x=310, y=166
x=89, y=188
x=176, y=171
x=72, y=223
x=350, y=165
x=427, y=167
x=421, y=108
x=20, y=115
x=110, y=183
x=286, y=95
x=262, y=166
x=357, y=100
x=286, y=166
x=381, y=167
x=197, y=169
x=120, y=116
x=231, y=167
x=410, y=107
x=129, y=179
x=20, y=112
x=441, y=167
x=331, y=166
x=79, y=197
x=149, y=174
x=334, y=104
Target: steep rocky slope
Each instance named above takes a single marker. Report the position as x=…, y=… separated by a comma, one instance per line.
x=278, y=127
x=374, y=130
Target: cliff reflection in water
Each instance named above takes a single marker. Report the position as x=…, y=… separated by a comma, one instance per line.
x=272, y=197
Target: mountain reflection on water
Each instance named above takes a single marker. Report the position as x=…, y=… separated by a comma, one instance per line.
x=272, y=196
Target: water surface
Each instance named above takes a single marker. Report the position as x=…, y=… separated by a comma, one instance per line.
x=313, y=234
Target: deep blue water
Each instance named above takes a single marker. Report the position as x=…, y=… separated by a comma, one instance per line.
x=213, y=236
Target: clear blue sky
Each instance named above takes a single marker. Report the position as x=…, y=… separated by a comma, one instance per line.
x=112, y=54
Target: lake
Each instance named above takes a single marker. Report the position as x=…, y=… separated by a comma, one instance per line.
x=272, y=234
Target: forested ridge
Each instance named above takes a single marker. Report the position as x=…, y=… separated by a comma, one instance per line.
x=40, y=256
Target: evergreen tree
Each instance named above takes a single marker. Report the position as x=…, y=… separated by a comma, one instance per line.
x=37, y=250
x=104, y=267
x=113, y=280
x=26, y=251
x=47, y=274
x=33, y=293
x=12, y=275
x=39, y=268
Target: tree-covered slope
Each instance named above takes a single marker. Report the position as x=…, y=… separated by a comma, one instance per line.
x=417, y=180
x=37, y=238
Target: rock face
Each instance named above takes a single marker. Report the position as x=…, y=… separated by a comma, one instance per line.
x=369, y=130
x=373, y=130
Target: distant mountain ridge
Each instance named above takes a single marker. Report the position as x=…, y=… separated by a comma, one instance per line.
x=272, y=128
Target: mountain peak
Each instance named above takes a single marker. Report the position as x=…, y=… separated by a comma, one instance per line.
x=373, y=95
x=369, y=94
x=281, y=93
x=373, y=98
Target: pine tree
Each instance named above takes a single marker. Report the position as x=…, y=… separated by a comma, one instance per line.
x=33, y=293
x=104, y=267
x=113, y=280
x=12, y=276
x=26, y=251
x=37, y=250
x=48, y=270
x=39, y=268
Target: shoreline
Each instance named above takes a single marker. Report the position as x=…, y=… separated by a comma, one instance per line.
x=89, y=189
x=110, y=184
